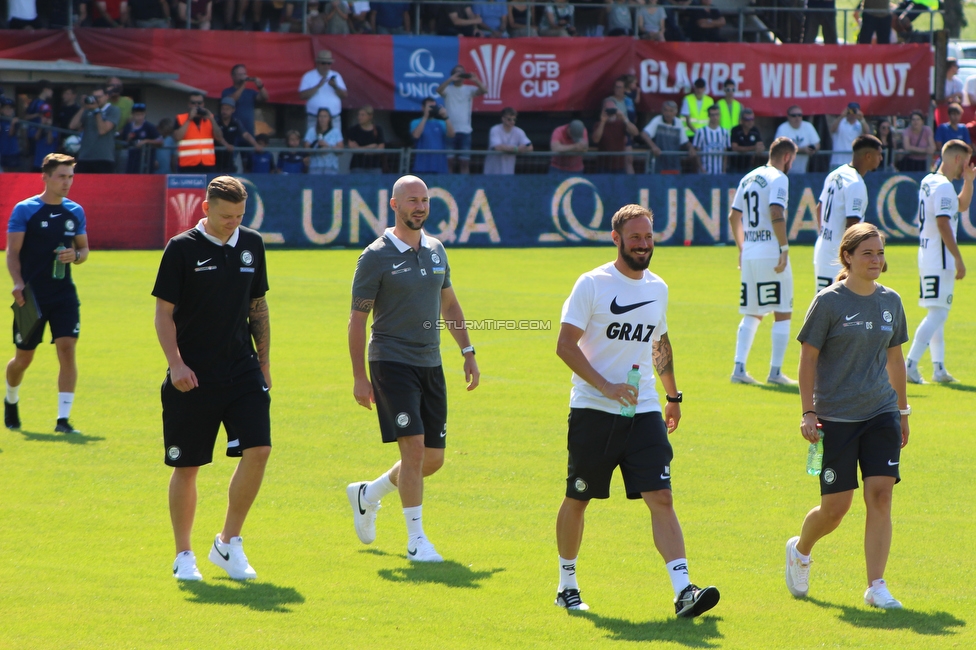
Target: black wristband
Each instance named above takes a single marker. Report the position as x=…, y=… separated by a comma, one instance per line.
x=805, y=413
x=674, y=400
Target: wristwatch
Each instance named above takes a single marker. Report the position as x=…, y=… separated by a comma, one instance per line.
x=674, y=399
x=470, y=349
x=906, y=411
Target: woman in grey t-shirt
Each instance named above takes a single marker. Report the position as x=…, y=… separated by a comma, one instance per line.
x=852, y=389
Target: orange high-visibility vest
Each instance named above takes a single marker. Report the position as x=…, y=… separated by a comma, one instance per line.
x=197, y=146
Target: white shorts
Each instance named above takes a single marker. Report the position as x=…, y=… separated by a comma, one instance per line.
x=763, y=289
x=935, y=288
x=824, y=274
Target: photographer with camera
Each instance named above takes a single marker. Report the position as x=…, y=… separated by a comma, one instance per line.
x=195, y=133
x=843, y=130
x=245, y=98
x=458, y=101
x=611, y=134
x=431, y=131
x=97, y=119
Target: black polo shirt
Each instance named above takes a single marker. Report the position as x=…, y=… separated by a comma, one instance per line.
x=743, y=162
x=212, y=287
x=232, y=135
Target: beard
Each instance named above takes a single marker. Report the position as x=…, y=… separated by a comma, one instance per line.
x=632, y=262
x=407, y=219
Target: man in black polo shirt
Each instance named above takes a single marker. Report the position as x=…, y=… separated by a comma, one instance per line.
x=747, y=142
x=404, y=279
x=233, y=134
x=209, y=306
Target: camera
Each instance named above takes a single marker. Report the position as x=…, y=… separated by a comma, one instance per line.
x=202, y=112
x=433, y=111
x=467, y=75
x=89, y=99
x=610, y=111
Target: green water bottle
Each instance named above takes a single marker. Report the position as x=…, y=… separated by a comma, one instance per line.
x=815, y=455
x=57, y=272
x=633, y=378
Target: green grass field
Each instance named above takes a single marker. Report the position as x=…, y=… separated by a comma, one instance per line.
x=86, y=546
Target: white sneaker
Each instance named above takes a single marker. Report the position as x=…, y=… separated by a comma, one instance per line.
x=943, y=377
x=185, y=567
x=913, y=375
x=881, y=598
x=230, y=557
x=782, y=380
x=423, y=551
x=797, y=573
x=743, y=378
x=363, y=512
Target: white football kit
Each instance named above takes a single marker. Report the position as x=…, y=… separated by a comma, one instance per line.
x=936, y=266
x=844, y=196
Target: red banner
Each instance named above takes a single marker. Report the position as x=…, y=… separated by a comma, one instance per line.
x=884, y=79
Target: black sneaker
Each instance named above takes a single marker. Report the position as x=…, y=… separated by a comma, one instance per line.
x=694, y=601
x=11, y=417
x=64, y=426
x=570, y=599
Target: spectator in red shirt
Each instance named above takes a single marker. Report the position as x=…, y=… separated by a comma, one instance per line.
x=110, y=13
x=565, y=139
x=611, y=134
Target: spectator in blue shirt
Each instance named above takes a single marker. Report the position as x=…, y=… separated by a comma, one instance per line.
x=262, y=162
x=245, y=98
x=46, y=141
x=292, y=162
x=431, y=130
x=952, y=130
x=9, y=144
x=142, y=139
x=164, y=157
x=392, y=17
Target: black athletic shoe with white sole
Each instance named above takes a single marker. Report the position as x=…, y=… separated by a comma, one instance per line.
x=11, y=416
x=64, y=426
x=694, y=601
x=570, y=599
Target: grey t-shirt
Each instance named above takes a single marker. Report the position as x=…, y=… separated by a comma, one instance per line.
x=405, y=286
x=93, y=145
x=853, y=334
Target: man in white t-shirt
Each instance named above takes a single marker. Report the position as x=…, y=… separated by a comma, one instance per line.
x=843, y=129
x=939, y=260
x=803, y=135
x=458, y=100
x=843, y=203
x=758, y=224
x=615, y=320
x=507, y=138
x=322, y=87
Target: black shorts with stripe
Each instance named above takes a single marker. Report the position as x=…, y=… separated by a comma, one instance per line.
x=410, y=401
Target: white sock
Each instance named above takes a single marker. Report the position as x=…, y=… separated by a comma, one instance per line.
x=678, y=572
x=379, y=488
x=65, y=400
x=743, y=342
x=935, y=319
x=13, y=394
x=804, y=559
x=937, y=348
x=781, y=339
x=878, y=583
x=415, y=524
x=567, y=574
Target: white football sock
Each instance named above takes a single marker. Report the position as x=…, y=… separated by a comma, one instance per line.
x=935, y=319
x=415, y=524
x=65, y=400
x=13, y=394
x=781, y=339
x=379, y=488
x=937, y=348
x=678, y=572
x=567, y=574
x=743, y=342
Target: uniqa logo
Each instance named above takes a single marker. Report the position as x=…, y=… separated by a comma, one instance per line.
x=185, y=205
x=887, y=207
x=422, y=65
x=492, y=63
x=562, y=204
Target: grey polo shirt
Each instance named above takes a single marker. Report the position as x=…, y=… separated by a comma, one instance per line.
x=93, y=145
x=405, y=286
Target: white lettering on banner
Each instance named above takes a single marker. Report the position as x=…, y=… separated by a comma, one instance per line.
x=885, y=79
x=492, y=64
x=258, y=220
x=417, y=90
x=309, y=229
x=887, y=205
x=540, y=73
x=479, y=205
x=447, y=228
x=645, y=200
x=694, y=208
x=358, y=209
x=654, y=77
x=786, y=80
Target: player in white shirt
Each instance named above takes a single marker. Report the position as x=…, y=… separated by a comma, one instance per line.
x=843, y=203
x=939, y=260
x=764, y=260
x=614, y=319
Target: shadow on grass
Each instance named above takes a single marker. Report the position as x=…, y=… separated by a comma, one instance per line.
x=71, y=439
x=691, y=632
x=927, y=623
x=963, y=388
x=259, y=596
x=447, y=573
x=779, y=388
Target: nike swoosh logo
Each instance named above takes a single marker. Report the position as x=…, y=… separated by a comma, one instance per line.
x=359, y=499
x=265, y=389
x=892, y=464
x=55, y=215
x=851, y=317
x=411, y=553
x=199, y=263
x=226, y=557
x=623, y=309
x=665, y=477
x=443, y=434
x=396, y=266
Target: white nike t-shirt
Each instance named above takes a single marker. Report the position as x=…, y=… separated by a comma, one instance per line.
x=620, y=318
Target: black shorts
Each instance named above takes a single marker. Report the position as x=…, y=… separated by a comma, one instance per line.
x=874, y=443
x=599, y=442
x=410, y=401
x=192, y=419
x=64, y=317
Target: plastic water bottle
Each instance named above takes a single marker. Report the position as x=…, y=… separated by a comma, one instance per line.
x=815, y=455
x=57, y=272
x=633, y=378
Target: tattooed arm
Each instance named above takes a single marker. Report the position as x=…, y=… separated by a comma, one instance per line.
x=664, y=364
x=362, y=388
x=259, y=324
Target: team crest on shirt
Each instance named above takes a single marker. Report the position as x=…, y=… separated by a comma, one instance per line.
x=580, y=485
x=886, y=316
x=69, y=224
x=435, y=258
x=402, y=420
x=174, y=452
x=246, y=258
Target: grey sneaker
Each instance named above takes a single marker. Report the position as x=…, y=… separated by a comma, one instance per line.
x=743, y=378
x=781, y=379
x=797, y=573
x=943, y=377
x=913, y=375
